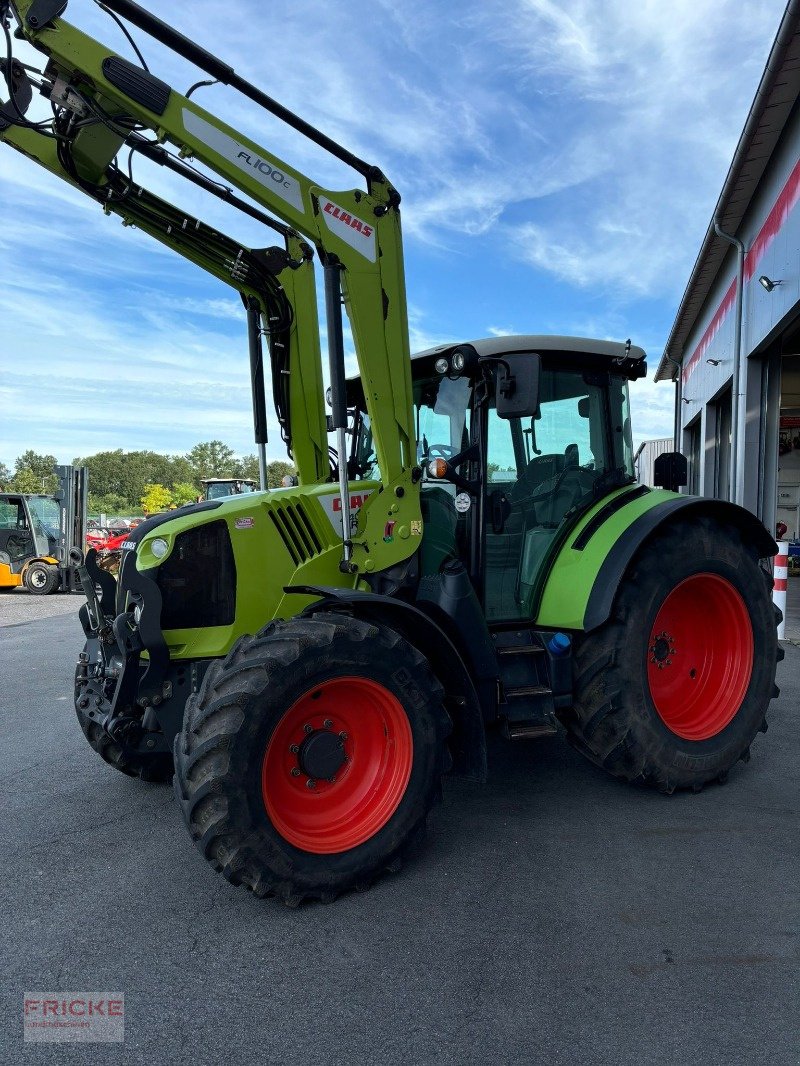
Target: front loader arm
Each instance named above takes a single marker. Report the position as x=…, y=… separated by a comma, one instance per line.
x=357, y=230
x=244, y=269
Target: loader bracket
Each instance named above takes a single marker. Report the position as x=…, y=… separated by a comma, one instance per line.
x=19, y=86
x=42, y=12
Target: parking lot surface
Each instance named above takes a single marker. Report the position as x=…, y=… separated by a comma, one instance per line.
x=553, y=916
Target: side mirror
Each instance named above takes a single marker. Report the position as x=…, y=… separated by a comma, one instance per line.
x=518, y=385
x=670, y=471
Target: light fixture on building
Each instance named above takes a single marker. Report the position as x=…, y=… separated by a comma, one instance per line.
x=685, y=400
x=713, y=362
x=768, y=283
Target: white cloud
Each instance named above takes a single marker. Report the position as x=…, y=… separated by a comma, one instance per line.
x=581, y=142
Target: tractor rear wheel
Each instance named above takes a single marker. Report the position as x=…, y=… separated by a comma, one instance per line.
x=673, y=688
x=311, y=756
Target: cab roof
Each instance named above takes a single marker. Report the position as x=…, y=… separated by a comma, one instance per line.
x=607, y=350
x=567, y=353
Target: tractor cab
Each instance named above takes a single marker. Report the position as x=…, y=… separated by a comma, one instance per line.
x=217, y=488
x=507, y=475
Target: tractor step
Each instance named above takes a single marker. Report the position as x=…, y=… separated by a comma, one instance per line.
x=526, y=704
x=530, y=730
x=528, y=690
x=528, y=713
x=520, y=649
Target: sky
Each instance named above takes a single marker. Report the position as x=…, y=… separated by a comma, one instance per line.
x=558, y=164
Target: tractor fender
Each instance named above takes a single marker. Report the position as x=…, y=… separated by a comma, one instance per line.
x=468, y=740
x=617, y=560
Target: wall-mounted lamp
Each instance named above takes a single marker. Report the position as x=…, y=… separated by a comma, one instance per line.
x=768, y=283
x=713, y=362
x=685, y=400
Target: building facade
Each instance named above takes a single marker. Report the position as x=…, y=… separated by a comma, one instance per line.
x=734, y=349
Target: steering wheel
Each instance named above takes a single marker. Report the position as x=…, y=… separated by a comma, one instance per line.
x=441, y=451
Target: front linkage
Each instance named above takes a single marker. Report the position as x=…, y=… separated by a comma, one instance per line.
x=129, y=710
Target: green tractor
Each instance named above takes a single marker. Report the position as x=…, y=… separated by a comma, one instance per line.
x=474, y=555
x=216, y=488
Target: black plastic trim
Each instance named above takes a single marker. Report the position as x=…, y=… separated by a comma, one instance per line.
x=605, y=513
x=42, y=12
x=141, y=86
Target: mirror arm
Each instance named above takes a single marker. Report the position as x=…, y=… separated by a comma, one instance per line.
x=470, y=453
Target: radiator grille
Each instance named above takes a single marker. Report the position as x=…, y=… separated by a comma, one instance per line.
x=296, y=531
x=198, y=580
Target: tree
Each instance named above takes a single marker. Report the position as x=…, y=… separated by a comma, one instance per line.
x=41, y=469
x=181, y=470
x=248, y=467
x=276, y=471
x=111, y=505
x=26, y=481
x=108, y=474
x=212, y=459
x=155, y=498
x=184, y=492
x=5, y=477
x=125, y=474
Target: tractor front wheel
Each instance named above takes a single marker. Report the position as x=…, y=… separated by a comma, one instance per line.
x=311, y=756
x=673, y=688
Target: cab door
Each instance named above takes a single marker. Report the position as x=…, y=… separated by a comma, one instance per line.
x=538, y=471
x=442, y=408
x=16, y=537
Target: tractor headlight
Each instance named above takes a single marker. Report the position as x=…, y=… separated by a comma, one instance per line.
x=159, y=547
x=458, y=361
x=441, y=366
x=137, y=613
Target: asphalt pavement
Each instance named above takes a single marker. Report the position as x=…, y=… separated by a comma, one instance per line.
x=553, y=916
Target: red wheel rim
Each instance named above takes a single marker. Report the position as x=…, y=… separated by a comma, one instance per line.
x=366, y=723
x=700, y=656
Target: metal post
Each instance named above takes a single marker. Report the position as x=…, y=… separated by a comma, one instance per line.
x=333, y=308
x=257, y=388
x=781, y=564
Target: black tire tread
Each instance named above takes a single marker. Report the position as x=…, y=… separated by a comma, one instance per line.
x=599, y=725
x=214, y=715
x=52, y=579
x=155, y=769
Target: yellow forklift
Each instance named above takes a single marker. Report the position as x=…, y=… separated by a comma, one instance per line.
x=37, y=533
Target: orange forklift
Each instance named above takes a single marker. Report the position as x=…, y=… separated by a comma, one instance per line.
x=37, y=533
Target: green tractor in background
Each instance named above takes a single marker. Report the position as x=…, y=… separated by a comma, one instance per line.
x=474, y=554
x=216, y=488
